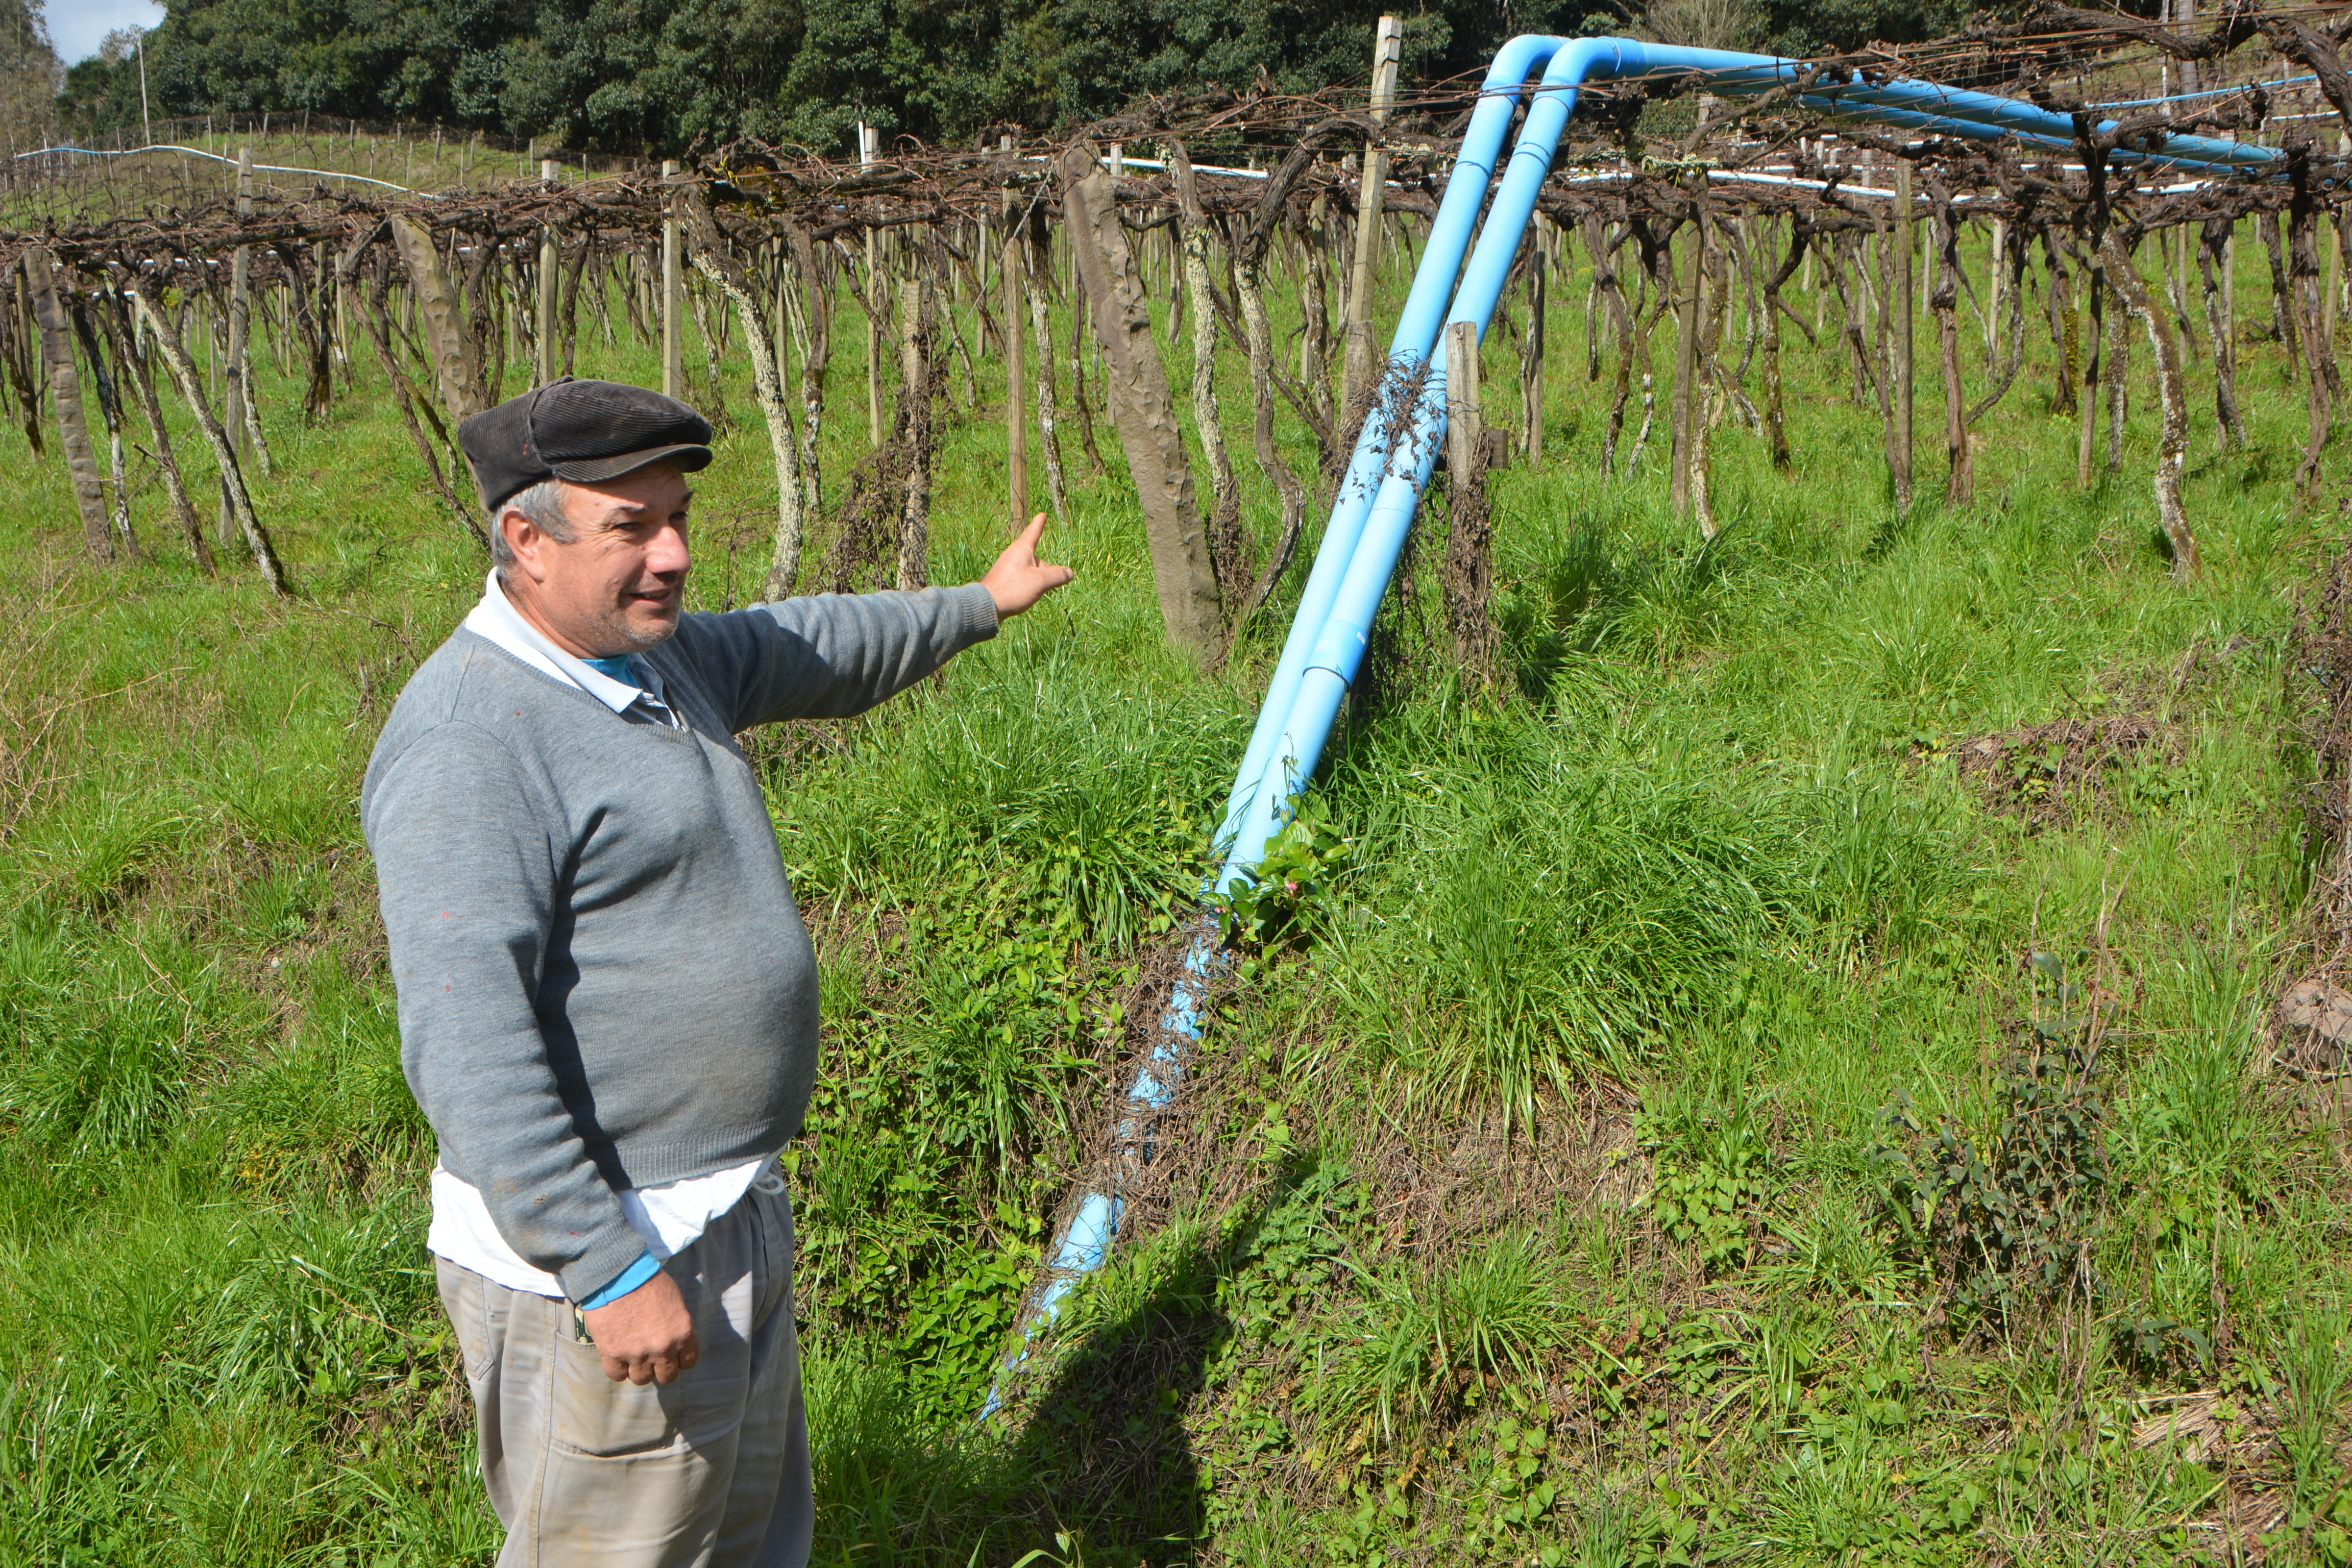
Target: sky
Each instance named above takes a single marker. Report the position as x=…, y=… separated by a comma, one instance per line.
x=76, y=26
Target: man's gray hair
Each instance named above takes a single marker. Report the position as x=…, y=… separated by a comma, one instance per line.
x=544, y=504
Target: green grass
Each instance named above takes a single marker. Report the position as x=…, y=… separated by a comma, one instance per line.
x=1545, y=1197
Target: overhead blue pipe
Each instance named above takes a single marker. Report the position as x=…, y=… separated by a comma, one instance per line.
x=1389, y=467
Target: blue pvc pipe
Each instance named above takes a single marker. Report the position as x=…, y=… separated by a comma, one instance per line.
x=1297, y=717
x=1900, y=103
x=1380, y=493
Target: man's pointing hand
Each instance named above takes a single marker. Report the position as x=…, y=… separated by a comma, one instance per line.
x=1018, y=579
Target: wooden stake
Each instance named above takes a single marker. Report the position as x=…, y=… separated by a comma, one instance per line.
x=1466, y=577
x=1464, y=407
x=65, y=393
x=1531, y=347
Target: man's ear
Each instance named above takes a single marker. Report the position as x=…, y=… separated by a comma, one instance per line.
x=523, y=539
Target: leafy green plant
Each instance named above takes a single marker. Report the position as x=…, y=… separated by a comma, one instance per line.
x=1710, y=1179
x=1270, y=910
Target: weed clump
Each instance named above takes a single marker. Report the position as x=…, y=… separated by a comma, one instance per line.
x=2007, y=1223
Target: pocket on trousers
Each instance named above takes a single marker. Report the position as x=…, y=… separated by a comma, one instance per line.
x=596, y=1416
x=465, y=1297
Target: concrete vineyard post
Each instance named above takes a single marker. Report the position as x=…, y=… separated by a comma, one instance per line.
x=1997, y=283
x=1357, y=377
x=1531, y=346
x=869, y=152
x=1687, y=330
x=233, y=371
x=1016, y=416
x=1901, y=308
x=673, y=341
x=551, y=274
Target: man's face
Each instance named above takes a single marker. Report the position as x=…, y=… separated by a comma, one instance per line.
x=616, y=585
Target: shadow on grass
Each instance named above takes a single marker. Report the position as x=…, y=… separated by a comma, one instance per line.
x=1099, y=1458
x=1094, y=1462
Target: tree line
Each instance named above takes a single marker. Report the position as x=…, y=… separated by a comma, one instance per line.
x=651, y=77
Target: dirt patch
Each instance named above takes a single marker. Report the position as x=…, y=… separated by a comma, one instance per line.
x=2054, y=773
x=2311, y=1031
x=1444, y=1183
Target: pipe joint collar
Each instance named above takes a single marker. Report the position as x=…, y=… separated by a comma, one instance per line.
x=1341, y=649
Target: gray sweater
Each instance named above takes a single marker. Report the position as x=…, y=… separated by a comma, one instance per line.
x=604, y=981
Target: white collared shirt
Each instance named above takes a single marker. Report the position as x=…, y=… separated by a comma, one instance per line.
x=668, y=1217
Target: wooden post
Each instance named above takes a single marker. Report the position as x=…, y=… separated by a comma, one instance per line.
x=551, y=276
x=1465, y=413
x=1531, y=347
x=869, y=152
x=1467, y=576
x=65, y=391
x=1016, y=413
x=1357, y=378
x=1902, y=305
x=673, y=335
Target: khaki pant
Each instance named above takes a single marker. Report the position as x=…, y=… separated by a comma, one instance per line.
x=711, y=1471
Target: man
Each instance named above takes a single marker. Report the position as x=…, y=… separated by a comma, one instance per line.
x=608, y=1004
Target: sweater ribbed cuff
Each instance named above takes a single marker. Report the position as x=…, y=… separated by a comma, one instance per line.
x=635, y=1274
x=977, y=606
x=615, y=1251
